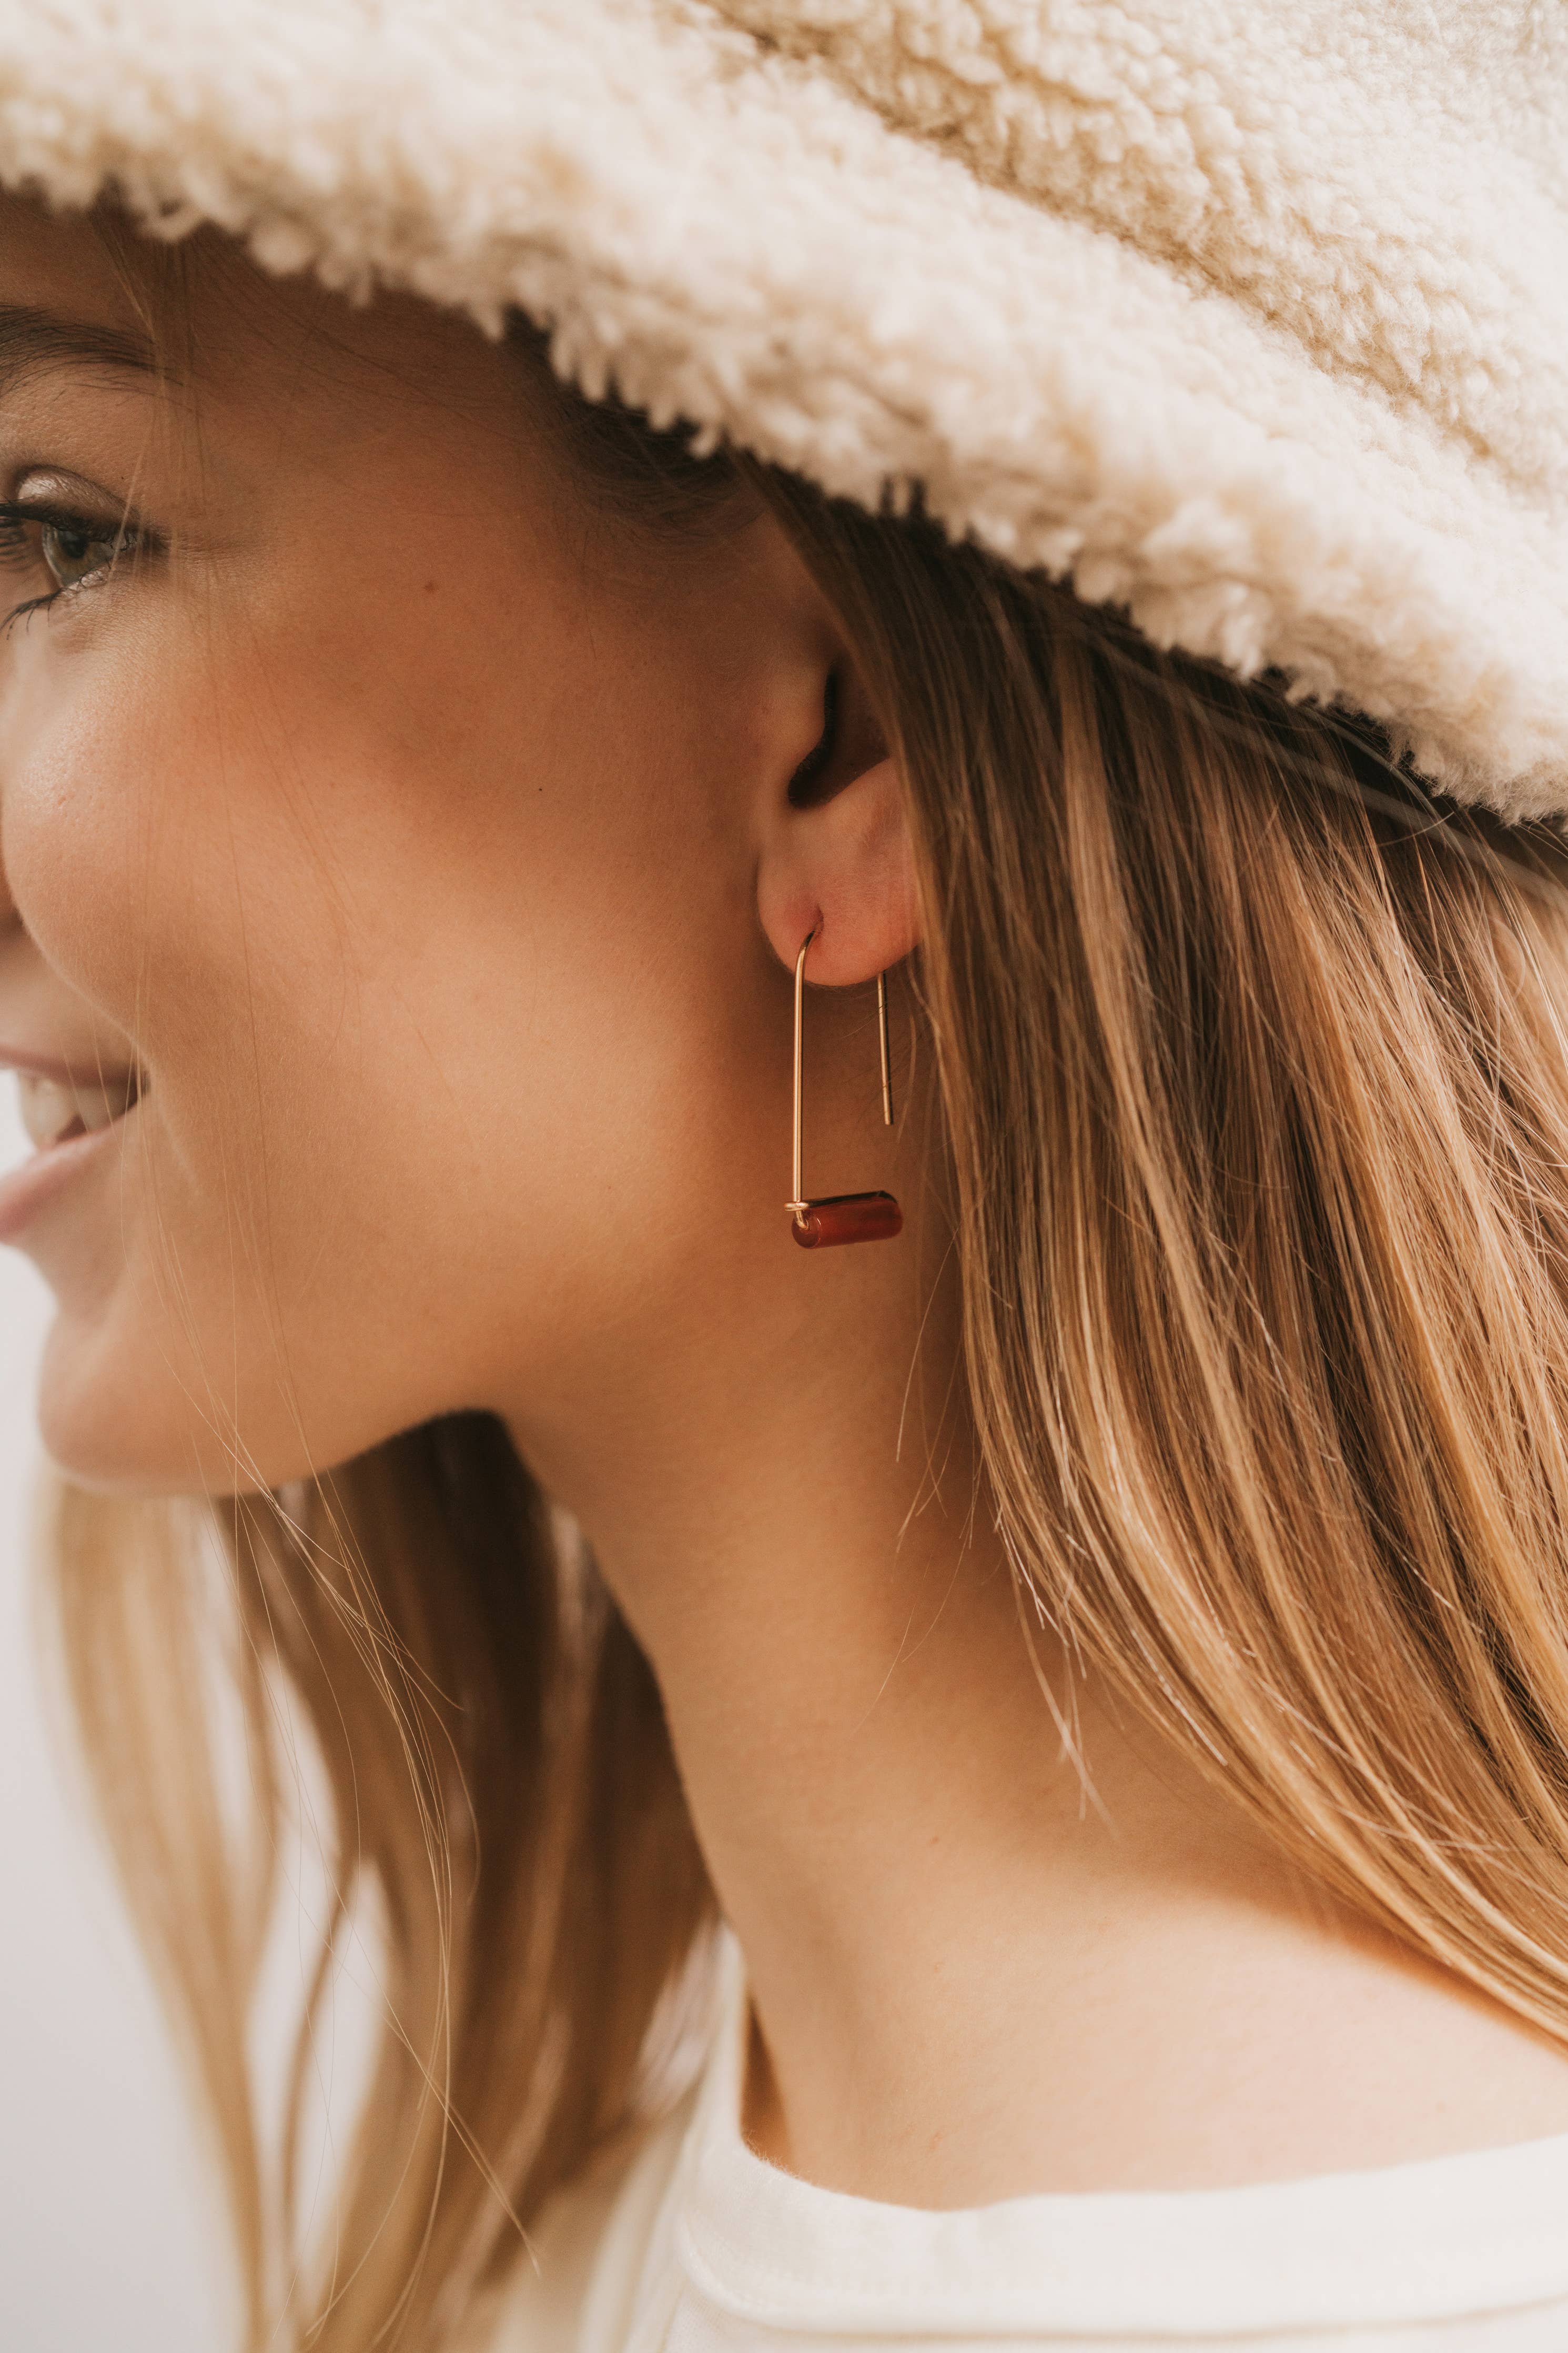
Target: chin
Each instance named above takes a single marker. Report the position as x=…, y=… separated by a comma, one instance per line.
x=116, y=1417
x=98, y=1424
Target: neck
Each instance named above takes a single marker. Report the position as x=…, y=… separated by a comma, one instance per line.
x=990, y=1951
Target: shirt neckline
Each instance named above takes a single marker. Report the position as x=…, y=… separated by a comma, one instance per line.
x=1482, y=2233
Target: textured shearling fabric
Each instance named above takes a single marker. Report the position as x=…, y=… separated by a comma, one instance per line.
x=1251, y=316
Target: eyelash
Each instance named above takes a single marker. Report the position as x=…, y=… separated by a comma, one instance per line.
x=18, y=551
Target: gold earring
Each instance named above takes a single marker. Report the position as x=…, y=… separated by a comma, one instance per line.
x=843, y=1217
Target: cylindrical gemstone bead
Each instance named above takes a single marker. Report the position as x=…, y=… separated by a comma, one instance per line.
x=848, y=1218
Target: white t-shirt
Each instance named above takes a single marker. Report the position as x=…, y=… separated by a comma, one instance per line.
x=698, y=2246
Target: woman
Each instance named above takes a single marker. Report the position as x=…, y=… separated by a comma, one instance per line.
x=1011, y=672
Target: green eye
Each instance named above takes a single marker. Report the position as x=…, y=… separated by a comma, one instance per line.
x=73, y=551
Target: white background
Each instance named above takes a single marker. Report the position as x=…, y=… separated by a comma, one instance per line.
x=106, y=2236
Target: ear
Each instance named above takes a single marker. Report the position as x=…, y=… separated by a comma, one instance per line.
x=837, y=853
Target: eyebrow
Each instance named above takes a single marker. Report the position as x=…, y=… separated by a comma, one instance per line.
x=37, y=342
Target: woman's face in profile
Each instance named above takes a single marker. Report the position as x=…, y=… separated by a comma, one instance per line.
x=381, y=836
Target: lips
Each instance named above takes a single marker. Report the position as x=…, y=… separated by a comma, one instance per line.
x=73, y=1115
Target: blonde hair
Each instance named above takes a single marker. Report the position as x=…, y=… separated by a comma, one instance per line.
x=1253, y=1065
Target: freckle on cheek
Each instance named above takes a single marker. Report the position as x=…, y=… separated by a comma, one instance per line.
x=430, y=587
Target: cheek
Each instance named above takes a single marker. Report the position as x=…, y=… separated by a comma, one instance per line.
x=79, y=775
x=439, y=1074
x=164, y=874
x=166, y=858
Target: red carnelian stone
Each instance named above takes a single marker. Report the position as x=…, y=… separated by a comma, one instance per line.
x=848, y=1218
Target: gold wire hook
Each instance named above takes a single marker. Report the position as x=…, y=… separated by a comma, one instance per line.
x=840, y=1216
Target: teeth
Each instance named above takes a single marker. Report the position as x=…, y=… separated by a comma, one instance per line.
x=48, y=1108
x=54, y=1113
x=98, y=1109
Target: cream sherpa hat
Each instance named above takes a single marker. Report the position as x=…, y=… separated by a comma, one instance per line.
x=1251, y=316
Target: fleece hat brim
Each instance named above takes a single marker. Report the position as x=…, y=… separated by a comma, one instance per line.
x=1252, y=317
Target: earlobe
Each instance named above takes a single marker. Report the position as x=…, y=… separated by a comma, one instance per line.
x=844, y=868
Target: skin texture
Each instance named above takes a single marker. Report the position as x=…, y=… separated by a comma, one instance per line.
x=427, y=843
